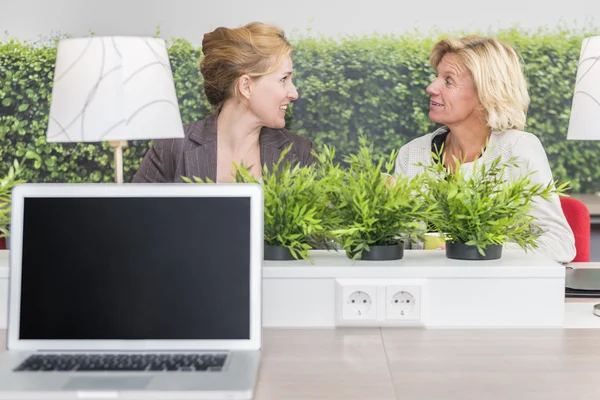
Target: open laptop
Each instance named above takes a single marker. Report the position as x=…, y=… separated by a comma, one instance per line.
x=134, y=291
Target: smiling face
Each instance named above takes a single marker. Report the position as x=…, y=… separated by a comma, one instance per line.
x=453, y=96
x=271, y=95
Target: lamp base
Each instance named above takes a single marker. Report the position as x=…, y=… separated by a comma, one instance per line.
x=118, y=150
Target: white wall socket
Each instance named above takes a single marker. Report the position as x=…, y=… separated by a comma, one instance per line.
x=360, y=303
x=401, y=303
x=380, y=302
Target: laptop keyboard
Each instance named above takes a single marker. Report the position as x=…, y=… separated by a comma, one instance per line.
x=124, y=362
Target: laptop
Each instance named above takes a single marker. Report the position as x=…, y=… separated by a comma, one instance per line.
x=582, y=282
x=134, y=291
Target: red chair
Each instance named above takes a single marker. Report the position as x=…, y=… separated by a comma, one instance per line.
x=578, y=218
x=2, y=243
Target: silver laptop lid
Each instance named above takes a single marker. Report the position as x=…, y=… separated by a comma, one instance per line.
x=135, y=267
x=584, y=279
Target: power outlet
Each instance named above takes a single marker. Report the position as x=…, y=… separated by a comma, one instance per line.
x=358, y=306
x=355, y=303
x=403, y=303
x=379, y=302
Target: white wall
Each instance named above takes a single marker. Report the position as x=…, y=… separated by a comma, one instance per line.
x=28, y=19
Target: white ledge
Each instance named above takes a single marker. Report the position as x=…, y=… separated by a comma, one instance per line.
x=514, y=263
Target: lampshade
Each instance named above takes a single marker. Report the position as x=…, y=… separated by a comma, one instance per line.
x=585, y=110
x=113, y=89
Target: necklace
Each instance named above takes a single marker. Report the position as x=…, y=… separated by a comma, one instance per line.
x=242, y=158
x=225, y=165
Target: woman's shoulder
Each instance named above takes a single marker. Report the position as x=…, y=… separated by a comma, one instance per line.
x=416, y=152
x=282, y=136
x=423, y=142
x=518, y=141
x=202, y=130
x=195, y=134
x=516, y=135
x=279, y=139
x=524, y=146
x=294, y=137
x=194, y=126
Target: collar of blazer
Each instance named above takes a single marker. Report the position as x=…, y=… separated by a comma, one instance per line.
x=201, y=161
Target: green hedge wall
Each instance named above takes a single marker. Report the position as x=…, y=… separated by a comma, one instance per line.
x=372, y=85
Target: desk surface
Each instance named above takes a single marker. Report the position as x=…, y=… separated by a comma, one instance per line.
x=544, y=364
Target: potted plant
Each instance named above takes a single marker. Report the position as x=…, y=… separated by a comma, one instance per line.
x=295, y=208
x=376, y=212
x=483, y=208
x=6, y=184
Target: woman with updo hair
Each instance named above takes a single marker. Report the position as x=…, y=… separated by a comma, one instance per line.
x=247, y=75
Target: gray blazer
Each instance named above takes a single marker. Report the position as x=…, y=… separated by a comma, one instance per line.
x=196, y=153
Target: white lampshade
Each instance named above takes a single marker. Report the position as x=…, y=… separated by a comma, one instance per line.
x=113, y=89
x=585, y=110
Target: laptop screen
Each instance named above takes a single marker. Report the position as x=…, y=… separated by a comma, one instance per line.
x=105, y=268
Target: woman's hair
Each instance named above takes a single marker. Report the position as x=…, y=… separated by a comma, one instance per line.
x=496, y=71
x=254, y=49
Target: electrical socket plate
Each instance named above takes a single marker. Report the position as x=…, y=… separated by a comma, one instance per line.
x=359, y=303
x=380, y=302
x=401, y=303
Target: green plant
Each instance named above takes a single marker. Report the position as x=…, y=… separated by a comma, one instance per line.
x=6, y=184
x=371, y=207
x=485, y=206
x=295, y=204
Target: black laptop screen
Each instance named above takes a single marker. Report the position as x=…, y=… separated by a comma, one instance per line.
x=136, y=268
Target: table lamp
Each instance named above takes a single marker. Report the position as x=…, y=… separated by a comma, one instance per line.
x=113, y=89
x=585, y=109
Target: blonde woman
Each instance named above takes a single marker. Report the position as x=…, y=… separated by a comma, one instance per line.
x=247, y=75
x=480, y=97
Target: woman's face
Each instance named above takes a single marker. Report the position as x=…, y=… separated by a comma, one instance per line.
x=272, y=94
x=453, y=96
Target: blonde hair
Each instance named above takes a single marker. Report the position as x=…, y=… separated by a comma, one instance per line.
x=255, y=49
x=496, y=71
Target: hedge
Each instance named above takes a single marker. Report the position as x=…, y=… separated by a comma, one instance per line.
x=372, y=85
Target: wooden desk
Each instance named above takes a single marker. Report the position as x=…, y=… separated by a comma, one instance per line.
x=494, y=364
x=324, y=364
x=372, y=363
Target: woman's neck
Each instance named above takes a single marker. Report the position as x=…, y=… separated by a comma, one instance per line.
x=466, y=143
x=238, y=130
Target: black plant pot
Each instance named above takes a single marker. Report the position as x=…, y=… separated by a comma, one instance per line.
x=277, y=253
x=461, y=251
x=381, y=253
